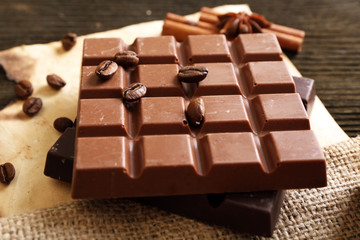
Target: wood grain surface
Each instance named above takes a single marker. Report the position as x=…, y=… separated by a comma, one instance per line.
x=330, y=55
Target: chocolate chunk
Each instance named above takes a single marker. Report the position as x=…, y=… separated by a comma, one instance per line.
x=32, y=106
x=55, y=81
x=106, y=69
x=69, y=41
x=7, y=172
x=306, y=88
x=62, y=123
x=23, y=89
x=60, y=158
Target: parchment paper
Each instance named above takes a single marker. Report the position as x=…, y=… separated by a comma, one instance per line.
x=24, y=141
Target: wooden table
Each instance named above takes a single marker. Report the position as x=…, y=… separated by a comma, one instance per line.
x=330, y=55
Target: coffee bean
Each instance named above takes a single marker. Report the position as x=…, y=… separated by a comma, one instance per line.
x=106, y=69
x=195, y=111
x=62, y=123
x=32, y=106
x=23, y=89
x=55, y=81
x=192, y=74
x=126, y=59
x=7, y=172
x=69, y=41
x=134, y=92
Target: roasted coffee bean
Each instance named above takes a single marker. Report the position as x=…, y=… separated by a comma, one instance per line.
x=55, y=81
x=192, y=74
x=134, y=92
x=69, y=41
x=126, y=59
x=23, y=89
x=195, y=111
x=106, y=69
x=32, y=106
x=7, y=172
x=62, y=123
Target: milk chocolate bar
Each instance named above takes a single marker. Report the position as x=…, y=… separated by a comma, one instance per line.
x=231, y=24
x=255, y=135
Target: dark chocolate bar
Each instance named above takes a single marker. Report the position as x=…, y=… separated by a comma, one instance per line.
x=255, y=212
x=255, y=134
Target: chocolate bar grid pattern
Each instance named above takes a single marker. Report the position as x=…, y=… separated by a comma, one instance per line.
x=266, y=119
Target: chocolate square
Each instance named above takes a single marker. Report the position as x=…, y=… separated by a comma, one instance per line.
x=92, y=86
x=287, y=149
x=156, y=50
x=267, y=77
x=225, y=113
x=221, y=79
x=276, y=112
x=160, y=80
x=97, y=50
x=98, y=159
x=257, y=47
x=206, y=48
x=102, y=117
x=162, y=115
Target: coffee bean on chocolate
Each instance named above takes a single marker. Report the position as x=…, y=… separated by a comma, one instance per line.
x=32, y=106
x=126, y=59
x=23, y=89
x=55, y=81
x=62, y=123
x=69, y=41
x=195, y=111
x=106, y=69
x=7, y=172
x=134, y=92
x=192, y=74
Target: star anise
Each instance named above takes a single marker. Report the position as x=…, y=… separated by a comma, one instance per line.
x=233, y=24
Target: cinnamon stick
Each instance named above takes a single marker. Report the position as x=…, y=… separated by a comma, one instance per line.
x=181, y=30
x=286, y=41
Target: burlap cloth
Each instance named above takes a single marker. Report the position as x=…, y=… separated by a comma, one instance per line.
x=332, y=212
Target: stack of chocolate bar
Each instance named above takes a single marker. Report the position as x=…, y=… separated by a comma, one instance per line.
x=253, y=135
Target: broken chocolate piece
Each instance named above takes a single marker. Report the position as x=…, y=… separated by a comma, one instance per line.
x=60, y=158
